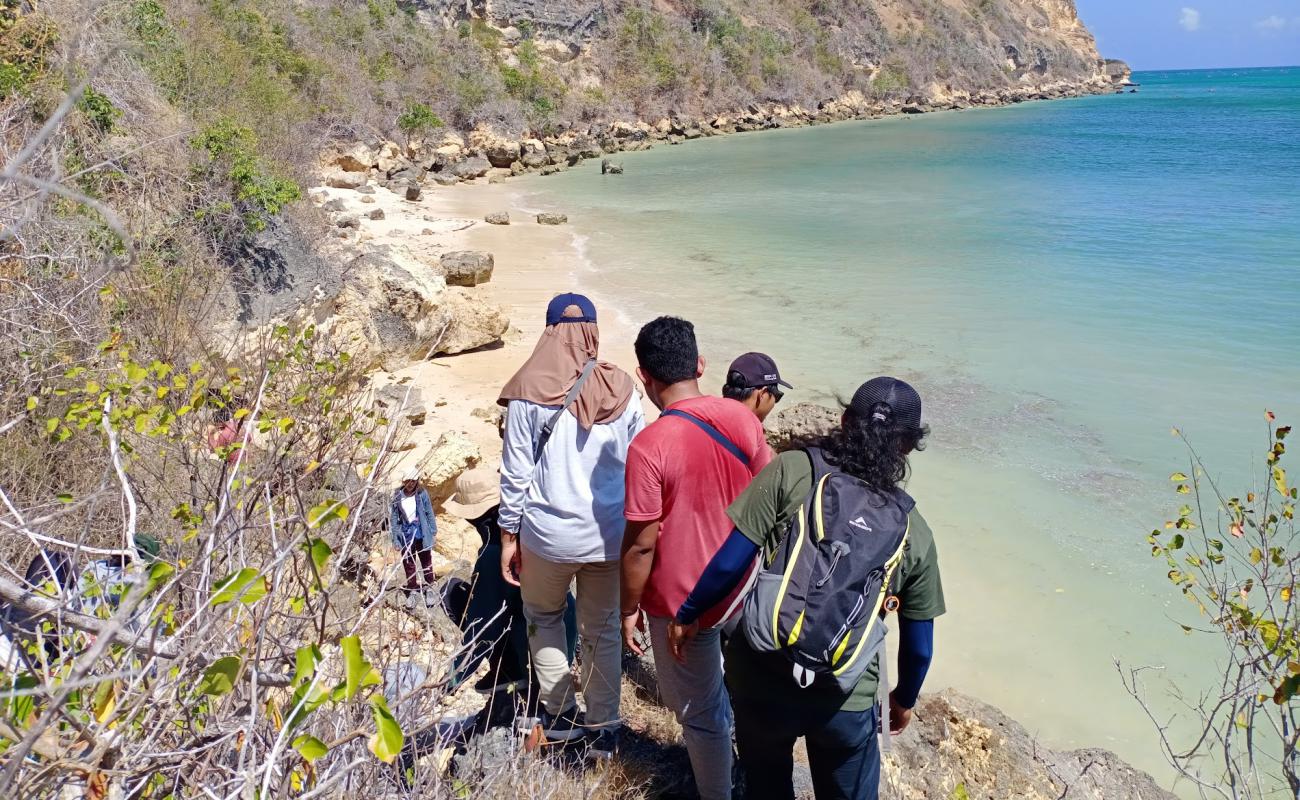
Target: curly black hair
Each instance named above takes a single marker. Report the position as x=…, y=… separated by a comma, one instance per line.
x=873, y=448
x=666, y=350
x=735, y=387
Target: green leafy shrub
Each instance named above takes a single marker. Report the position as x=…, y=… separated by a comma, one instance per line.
x=99, y=110
x=418, y=118
x=231, y=154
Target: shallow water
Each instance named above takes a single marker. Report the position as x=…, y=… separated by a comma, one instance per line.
x=1062, y=281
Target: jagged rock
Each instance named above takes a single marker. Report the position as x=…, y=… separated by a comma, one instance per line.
x=356, y=158
x=608, y=167
x=390, y=157
x=957, y=740
x=367, y=198
x=499, y=150
x=366, y=189
x=534, y=154
x=336, y=204
x=801, y=421
x=451, y=455
x=457, y=539
x=408, y=401
x=377, y=213
x=348, y=221
x=549, y=218
x=474, y=167
x=497, y=218
x=550, y=169
x=339, y=179
x=412, y=191
x=466, y=267
x=393, y=305
x=445, y=179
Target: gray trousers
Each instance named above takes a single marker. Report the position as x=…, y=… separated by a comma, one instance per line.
x=696, y=694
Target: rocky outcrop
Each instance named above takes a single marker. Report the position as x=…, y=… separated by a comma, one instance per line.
x=956, y=741
x=497, y=218
x=550, y=218
x=466, y=267
x=392, y=306
x=788, y=427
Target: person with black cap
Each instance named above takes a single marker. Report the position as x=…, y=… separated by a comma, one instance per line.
x=570, y=418
x=754, y=380
x=880, y=427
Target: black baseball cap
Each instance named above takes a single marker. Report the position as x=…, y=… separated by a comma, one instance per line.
x=555, y=309
x=755, y=370
x=903, y=401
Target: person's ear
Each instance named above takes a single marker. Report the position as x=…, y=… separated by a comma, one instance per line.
x=699, y=367
x=642, y=376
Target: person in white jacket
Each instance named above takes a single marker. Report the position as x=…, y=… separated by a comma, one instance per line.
x=569, y=420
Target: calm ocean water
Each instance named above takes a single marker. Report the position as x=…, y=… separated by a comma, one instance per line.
x=1063, y=282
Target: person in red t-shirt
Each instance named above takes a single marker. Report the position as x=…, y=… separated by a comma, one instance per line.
x=682, y=473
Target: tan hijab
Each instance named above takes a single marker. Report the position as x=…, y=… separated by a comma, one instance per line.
x=549, y=373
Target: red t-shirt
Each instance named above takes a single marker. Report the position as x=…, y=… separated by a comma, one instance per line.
x=677, y=474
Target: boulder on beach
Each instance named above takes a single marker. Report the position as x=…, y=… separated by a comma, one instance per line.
x=412, y=191
x=356, y=158
x=340, y=179
x=348, y=221
x=336, y=204
x=497, y=218
x=377, y=213
x=466, y=267
x=445, y=179
x=470, y=168
x=790, y=426
x=550, y=218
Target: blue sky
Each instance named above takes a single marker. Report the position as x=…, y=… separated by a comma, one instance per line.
x=1184, y=34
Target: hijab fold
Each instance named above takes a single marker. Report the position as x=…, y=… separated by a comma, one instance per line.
x=557, y=361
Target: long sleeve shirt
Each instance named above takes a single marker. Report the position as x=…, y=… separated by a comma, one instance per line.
x=568, y=505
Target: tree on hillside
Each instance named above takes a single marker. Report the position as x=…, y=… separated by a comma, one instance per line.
x=1237, y=559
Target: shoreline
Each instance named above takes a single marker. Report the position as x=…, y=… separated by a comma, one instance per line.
x=532, y=263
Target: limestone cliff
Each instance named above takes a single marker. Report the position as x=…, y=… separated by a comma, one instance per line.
x=710, y=56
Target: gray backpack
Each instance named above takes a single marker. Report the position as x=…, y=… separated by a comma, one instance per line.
x=821, y=598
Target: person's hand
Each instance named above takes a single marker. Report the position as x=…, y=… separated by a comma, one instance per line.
x=511, y=568
x=632, y=625
x=899, y=717
x=678, y=636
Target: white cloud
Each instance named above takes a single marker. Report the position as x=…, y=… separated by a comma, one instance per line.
x=1271, y=24
x=1189, y=19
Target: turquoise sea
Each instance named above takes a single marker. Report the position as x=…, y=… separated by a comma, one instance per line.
x=1063, y=282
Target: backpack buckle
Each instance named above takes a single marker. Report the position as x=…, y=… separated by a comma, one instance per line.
x=891, y=603
x=803, y=676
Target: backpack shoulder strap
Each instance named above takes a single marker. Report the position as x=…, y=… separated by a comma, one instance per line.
x=714, y=434
x=820, y=467
x=548, y=427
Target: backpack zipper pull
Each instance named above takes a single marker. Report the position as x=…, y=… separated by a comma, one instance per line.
x=838, y=551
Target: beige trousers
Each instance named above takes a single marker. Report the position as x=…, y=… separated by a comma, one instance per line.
x=545, y=585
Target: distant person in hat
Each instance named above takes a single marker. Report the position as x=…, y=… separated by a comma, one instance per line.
x=412, y=526
x=569, y=420
x=754, y=380
x=880, y=428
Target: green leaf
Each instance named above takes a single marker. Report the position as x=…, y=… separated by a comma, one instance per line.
x=1288, y=688
x=63, y=497
x=1177, y=477
x=326, y=511
x=319, y=552
x=219, y=678
x=159, y=573
x=959, y=793
x=1268, y=632
x=246, y=586
x=305, y=660
x=358, y=671
x=309, y=747
x=388, y=738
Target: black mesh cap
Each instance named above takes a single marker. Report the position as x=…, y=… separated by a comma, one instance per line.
x=903, y=401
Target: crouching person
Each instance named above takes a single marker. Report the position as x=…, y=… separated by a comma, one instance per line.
x=842, y=545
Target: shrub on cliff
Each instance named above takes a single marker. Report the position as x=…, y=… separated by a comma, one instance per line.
x=1236, y=559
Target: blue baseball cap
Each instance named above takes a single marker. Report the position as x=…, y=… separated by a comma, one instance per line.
x=555, y=310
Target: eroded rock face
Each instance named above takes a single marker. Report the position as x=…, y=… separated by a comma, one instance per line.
x=497, y=218
x=548, y=218
x=789, y=426
x=957, y=740
x=474, y=167
x=466, y=267
x=391, y=305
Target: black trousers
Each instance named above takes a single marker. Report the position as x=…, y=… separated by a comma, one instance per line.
x=843, y=750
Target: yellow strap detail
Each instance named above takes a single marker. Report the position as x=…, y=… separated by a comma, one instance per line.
x=785, y=579
x=794, y=634
x=817, y=507
x=890, y=566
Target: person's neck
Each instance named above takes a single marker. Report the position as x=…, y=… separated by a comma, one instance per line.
x=682, y=390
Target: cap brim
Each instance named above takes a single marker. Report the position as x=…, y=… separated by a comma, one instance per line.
x=783, y=383
x=471, y=510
